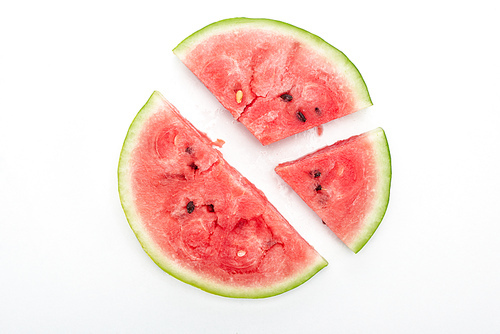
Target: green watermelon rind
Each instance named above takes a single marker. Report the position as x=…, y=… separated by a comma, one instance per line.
x=383, y=164
x=331, y=54
x=153, y=105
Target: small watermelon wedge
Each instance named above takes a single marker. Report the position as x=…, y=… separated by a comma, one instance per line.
x=347, y=184
x=275, y=78
x=198, y=218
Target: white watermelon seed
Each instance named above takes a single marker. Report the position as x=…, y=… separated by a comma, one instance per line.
x=239, y=96
x=241, y=253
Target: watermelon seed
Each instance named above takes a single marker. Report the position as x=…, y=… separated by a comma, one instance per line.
x=286, y=97
x=318, y=188
x=317, y=110
x=301, y=116
x=210, y=208
x=316, y=173
x=193, y=166
x=239, y=96
x=323, y=222
x=241, y=253
x=190, y=207
x=189, y=150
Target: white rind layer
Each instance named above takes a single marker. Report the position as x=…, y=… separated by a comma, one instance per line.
x=382, y=164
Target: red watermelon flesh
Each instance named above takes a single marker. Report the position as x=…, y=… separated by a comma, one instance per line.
x=347, y=184
x=198, y=218
x=277, y=79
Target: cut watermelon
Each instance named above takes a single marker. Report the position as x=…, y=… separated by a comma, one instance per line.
x=347, y=184
x=198, y=218
x=276, y=79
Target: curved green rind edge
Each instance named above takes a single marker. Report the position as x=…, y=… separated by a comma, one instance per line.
x=384, y=171
x=126, y=198
x=334, y=55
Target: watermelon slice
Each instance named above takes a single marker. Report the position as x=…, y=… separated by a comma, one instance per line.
x=275, y=78
x=347, y=184
x=198, y=218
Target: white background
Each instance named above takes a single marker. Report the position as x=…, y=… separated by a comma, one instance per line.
x=73, y=74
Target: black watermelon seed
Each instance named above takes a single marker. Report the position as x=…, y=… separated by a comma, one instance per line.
x=190, y=207
x=210, y=208
x=193, y=166
x=189, y=150
x=317, y=110
x=318, y=188
x=301, y=116
x=323, y=222
x=286, y=97
x=316, y=173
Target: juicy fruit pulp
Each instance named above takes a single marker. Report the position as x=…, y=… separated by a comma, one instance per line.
x=347, y=184
x=201, y=220
x=277, y=79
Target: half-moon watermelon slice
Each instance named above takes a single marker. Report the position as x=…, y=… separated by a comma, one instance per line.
x=275, y=78
x=347, y=184
x=198, y=218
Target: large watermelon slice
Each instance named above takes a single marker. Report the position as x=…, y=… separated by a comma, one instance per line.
x=198, y=218
x=347, y=184
x=275, y=78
